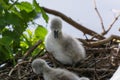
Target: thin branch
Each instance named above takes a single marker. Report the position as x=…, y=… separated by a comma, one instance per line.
x=73, y=23
x=100, y=17
x=32, y=58
x=111, y=25
x=90, y=69
x=30, y=50
x=16, y=66
x=100, y=42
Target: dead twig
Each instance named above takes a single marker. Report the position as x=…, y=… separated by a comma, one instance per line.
x=100, y=42
x=101, y=20
x=90, y=69
x=110, y=26
x=100, y=17
x=31, y=59
x=30, y=50
x=16, y=66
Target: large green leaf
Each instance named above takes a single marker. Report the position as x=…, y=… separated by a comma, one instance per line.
x=39, y=9
x=11, y=34
x=4, y=4
x=5, y=49
x=2, y=23
x=36, y=5
x=25, y=6
x=13, y=19
x=44, y=15
x=40, y=32
x=28, y=16
x=5, y=41
x=1, y=10
x=4, y=54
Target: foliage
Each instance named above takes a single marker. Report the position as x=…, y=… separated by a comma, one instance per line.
x=14, y=22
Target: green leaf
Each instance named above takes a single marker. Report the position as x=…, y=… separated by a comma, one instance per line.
x=26, y=17
x=44, y=15
x=5, y=49
x=1, y=10
x=25, y=6
x=16, y=12
x=29, y=33
x=4, y=4
x=39, y=9
x=6, y=41
x=2, y=22
x=40, y=32
x=36, y=5
x=24, y=44
x=7, y=32
x=13, y=19
x=4, y=54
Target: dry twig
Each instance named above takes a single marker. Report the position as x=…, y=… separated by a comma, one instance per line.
x=89, y=69
x=30, y=50
x=100, y=42
x=110, y=26
x=15, y=67
x=101, y=20
x=100, y=17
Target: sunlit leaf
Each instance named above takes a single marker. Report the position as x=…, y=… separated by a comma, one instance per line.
x=39, y=9
x=25, y=6
x=40, y=32
x=24, y=45
x=36, y=5
x=45, y=16
x=30, y=33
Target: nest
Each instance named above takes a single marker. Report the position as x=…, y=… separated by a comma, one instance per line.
x=100, y=64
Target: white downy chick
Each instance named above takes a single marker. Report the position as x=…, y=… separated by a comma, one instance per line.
x=64, y=48
x=40, y=66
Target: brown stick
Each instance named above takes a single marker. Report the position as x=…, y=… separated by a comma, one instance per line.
x=100, y=17
x=22, y=62
x=100, y=42
x=111, y=25
x=30, y=50
x=73, y=23
x=101, y=20
x=90, y=69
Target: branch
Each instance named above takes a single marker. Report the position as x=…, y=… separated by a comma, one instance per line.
x=15, y=67
x=100, y=42
x=30, y=50
x=101, y=20
x=110, y=26
x=100, y=17
x=73, y=23
x=90, y=69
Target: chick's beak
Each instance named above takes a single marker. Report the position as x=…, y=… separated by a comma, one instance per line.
x=55, y=34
